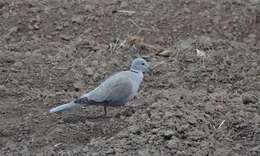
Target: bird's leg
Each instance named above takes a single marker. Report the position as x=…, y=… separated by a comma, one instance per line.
x=105, y=110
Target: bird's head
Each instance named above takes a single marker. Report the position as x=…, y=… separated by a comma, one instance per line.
x=139, y=64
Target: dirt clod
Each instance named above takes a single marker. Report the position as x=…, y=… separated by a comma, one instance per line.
x=249, y=98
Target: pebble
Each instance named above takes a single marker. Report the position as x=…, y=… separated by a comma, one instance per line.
x=165, y=53
x=77, y=19
x=191, y=119
x=172, y=144
x=89, y=8
x=110, y=151
x=79, y=84
x=18, y=64
x=89, y=71
x=13, y=29
x=182, y=128
x=196, y=135
x=209, y=108
x=123, y=4
x=135, y=130
x=168, y=134
x=66, y=37
x=7, y=133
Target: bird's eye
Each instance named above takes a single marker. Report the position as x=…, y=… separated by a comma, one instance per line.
x=143, y=64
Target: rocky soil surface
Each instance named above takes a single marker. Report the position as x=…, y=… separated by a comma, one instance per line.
x=201, y=98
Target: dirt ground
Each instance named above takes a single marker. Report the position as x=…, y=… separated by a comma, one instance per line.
x=201, y=98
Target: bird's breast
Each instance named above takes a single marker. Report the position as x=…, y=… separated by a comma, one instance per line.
x=137, y=79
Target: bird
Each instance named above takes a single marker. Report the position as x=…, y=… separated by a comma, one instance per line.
x=115, y=91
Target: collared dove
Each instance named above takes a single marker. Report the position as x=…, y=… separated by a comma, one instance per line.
x=117, y=90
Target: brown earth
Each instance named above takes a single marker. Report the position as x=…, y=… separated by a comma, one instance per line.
x=206, y=104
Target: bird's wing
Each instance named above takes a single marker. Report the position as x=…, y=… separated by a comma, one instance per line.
x=115, y=89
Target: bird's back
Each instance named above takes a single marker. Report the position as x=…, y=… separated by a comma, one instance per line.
x=116, y=90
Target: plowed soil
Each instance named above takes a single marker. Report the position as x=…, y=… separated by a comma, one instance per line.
x=201, y=98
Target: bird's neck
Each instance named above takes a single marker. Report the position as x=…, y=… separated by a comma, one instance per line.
x=135, y=71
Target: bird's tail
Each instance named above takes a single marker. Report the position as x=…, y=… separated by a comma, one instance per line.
x=63, y=107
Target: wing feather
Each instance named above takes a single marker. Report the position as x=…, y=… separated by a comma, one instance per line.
x=116, y=89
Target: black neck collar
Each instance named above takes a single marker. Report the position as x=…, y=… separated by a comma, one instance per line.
x=134, y=71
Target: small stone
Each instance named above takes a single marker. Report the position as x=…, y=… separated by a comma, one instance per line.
x=90, y=71
x=110, y=151
x=40, y=154
x=143, y=152
x=36, y=120
x=89, y=8
x=89, y=123
x=123, y=4
x=59, y=27
x=168, y=134
x=18, y=64
x=77, y=19
x=168, y=115
x=210, y=89
x=209, y=108
x=6, y=15
x=7, y=133
x=155, y=131
x=66, y=24
x=196, y=135
x=123, y=134
x=178, y=113
x=251, y=39
x=185, y=45
x=182, y=128
x=165, y=53
x=36, y=26
x=135, y=130
x=155, y=105
x=181, y=153
x=253, y=36
x=172, y=144
x=13, y=29
x=192, y=120
x=79, y=84
x=65, y=37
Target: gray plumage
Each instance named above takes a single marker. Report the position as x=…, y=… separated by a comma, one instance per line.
x=115, y=91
